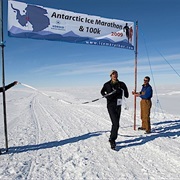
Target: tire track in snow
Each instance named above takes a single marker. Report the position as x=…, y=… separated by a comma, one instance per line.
x=44, y=128
x=53, y=117
x=71, y=115
x=38, y=129
x=76, y=116
x=34, y=165
x=23, y=169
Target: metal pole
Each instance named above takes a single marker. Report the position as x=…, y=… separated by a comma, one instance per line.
x=3, y=74
x=135, y=72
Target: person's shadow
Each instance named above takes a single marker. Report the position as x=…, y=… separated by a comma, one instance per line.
x=169, y=129
x=47, y=145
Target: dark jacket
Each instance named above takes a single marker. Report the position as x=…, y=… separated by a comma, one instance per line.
x=120, y=88
x=7, y=87
x=146, y=92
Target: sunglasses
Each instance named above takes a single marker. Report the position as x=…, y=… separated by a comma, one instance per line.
x=145, y=80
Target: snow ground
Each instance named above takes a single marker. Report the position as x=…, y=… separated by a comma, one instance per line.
x=51, y=139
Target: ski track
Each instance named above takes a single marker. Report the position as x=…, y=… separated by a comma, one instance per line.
x=50, y=139
x=44, y=130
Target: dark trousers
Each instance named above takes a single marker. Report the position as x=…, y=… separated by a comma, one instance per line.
x=114, y=113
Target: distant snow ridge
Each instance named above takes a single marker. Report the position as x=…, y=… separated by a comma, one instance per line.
x=170, y=93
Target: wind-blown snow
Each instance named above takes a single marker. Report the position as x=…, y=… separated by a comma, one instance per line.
x=52, y=139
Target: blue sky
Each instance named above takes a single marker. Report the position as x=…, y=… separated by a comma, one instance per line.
x=43, y=63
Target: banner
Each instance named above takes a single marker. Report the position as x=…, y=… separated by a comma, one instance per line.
x=38, y=22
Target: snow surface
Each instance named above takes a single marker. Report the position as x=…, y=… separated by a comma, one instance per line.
x=50, y=138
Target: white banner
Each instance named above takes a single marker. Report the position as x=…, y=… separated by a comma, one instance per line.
x=38, y=22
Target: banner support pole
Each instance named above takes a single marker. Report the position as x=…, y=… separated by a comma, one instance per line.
x=2, y=45
x=135, y=73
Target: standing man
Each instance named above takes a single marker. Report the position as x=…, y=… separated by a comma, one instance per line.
x=114, y=102
x=8, y=87
x=145, y=94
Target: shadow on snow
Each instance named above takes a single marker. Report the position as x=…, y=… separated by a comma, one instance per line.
x=170, y=129
x=20, y=149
